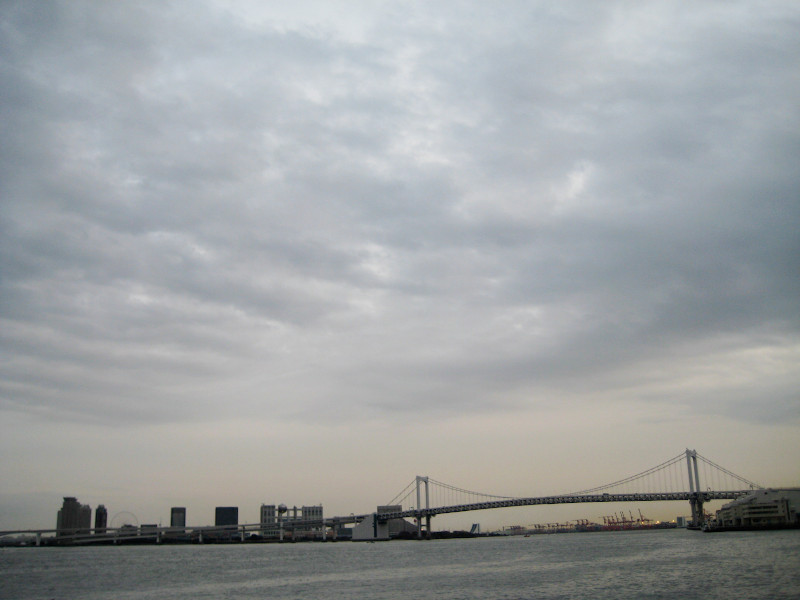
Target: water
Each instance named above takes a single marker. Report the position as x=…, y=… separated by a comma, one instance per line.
x=621, y=565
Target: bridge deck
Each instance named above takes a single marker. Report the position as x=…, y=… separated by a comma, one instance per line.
x=565, y=499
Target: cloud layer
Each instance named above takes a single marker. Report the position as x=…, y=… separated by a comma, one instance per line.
x=220, y=211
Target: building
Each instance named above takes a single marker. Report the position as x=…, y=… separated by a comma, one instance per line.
x=268, y=518
x=85, y=519
x=100, y=519
x=302, y=522
x=761, y=509
x=73, y=517
x=397, y=527
x=374, y=527
x=68, y=516
x=226, y=519
x=313, y=522
x=312, y=515
x=177, y=516
x=226, y=515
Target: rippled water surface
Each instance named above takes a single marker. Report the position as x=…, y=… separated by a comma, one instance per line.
x=623, y=565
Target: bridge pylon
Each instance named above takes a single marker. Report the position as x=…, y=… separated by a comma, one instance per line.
x=696, y=500
x=423, y=480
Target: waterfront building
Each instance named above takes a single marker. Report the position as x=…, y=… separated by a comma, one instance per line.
x=177, y=516
x=397, y=527
x=226, y=518
x=768, y=508
x=68, y=516
x=226, y=515
x=85, y=519
x=100, y=519
x=376, y=528
x=312, y=514
x=268, y=518
x=73, y=517
x=313, y=524
x=304, y=521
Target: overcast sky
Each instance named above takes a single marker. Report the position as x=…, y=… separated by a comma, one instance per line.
x=302, y=252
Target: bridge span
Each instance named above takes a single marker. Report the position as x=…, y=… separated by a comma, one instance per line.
x=706, y=496
x=677, y=479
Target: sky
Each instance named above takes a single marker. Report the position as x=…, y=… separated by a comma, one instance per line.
x=268, y=252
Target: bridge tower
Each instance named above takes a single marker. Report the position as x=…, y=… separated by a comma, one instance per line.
x=697, y=499
x=423, y=480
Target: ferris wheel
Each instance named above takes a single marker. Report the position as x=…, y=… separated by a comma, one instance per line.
x=124, y=519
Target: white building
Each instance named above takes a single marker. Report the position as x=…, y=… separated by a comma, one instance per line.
x=762, y=508
x=268, y=519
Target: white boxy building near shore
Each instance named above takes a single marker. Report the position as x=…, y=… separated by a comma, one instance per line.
x=762, y=508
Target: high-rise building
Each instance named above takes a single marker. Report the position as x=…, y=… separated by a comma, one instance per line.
x=268, y=519
x=226, y=518
x=85, y=519
x=100, y=519
x=73, y=517
x=177, y=516
x=226, y=515
x=68, y=516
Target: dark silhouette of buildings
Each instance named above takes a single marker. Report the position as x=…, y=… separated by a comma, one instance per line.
x=100, y=519
x=85, y=519
x=68, y=516
x=73, y=517
x=227, y=519
x=226, y=515
x=177, y=516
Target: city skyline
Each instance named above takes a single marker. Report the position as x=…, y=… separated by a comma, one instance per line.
x=678, y=477
x=313, y=250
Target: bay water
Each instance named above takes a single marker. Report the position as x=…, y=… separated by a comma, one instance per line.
x=621, y=565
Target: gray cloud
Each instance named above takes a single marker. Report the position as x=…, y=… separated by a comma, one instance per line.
x=216, y=211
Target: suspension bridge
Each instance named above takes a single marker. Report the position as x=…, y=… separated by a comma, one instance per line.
x=677, y=479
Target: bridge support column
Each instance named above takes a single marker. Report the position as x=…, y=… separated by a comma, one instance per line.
x=428, y=526
x=421, y=480
x=39, y=538
x=696, y=502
